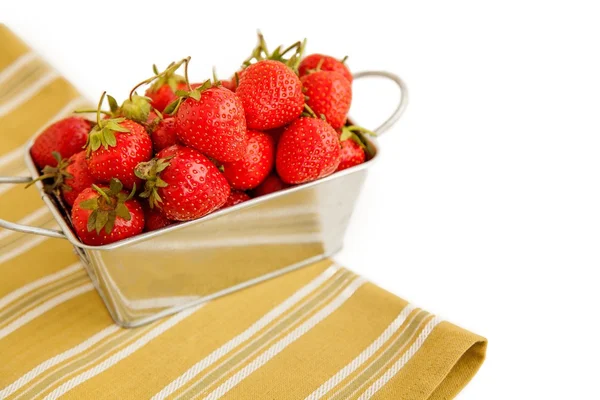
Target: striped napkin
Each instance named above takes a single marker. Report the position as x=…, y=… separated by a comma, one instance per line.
x=318, y=332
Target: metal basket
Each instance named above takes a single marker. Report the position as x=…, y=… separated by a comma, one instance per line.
x=158, y=273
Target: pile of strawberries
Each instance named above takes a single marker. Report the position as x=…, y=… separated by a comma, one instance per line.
x=184, y=150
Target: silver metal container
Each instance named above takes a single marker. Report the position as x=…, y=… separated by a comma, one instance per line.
x=159, y=273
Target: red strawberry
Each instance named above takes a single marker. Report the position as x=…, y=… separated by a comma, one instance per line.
x=352, y=154
x=155, y=219
x=162, y=91
x=66, y=137
x=233, y=82
x=309, y=149
x=79, y=178
x=214, y=124
x=235, y=197
x=271, y=94
x=162, y=132
x=70, y=177
x=323, y=63
x=183, y=183
x=271, y=184
x=328, y=94
x=256, y=164
x=105, y=215
x=163, y=95
x=115, y=147
x=229, y=85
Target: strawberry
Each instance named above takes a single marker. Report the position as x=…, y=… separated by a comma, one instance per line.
x=271, y=184
x=115, y=147
x=235, y=197
x=253, y=168
x=162, y=91
x=162, y=131
x=354, y=146
x=66, y=137
x=234, y=81
x=154, y=219
x=77, y=178
x=324, y=63
x=328, y=94
x=229, y=84
x=309, y=149
x=70, y=177
x=352, y=154
x=271, y=94
x=183, y=183
x=104, y=215
x=212, y=121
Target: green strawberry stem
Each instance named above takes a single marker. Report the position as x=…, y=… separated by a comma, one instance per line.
x=58, y=174
x=102, y=193
x=103, y=133
x=309, y=111
x=174, y=66
x=90, y=111
x=98, y=119
x=185, y=73
x=343, y=60
x=216, y=81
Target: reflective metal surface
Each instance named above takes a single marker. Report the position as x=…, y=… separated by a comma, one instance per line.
x=158, y=273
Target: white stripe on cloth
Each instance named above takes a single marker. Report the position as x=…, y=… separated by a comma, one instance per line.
x=23, y=60
x=247, y=334
x=11, y=156
x=291, y=337
x=398, y=365
x=364, y=356
x=17, y=251
x=51, y=362
x=26, y=220
x=41, y=309
x=18, y=153
x=29, y=92
x=120, y=355
x=15, y=294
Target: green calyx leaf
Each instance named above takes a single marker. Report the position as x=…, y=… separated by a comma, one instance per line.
x=150, y=172
x=112, y=103
x=54, y=177
x=103, y=134
x=261, y=52
x=137, y=108
x=195, y=94
x=110, y=204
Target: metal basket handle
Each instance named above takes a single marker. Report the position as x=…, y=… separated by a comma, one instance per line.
x=403, y=102
x=25, y=228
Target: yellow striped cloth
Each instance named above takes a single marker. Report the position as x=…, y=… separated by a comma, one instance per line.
x=318, y=332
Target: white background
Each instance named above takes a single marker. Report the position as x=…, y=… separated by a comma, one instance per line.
x=485, y=204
